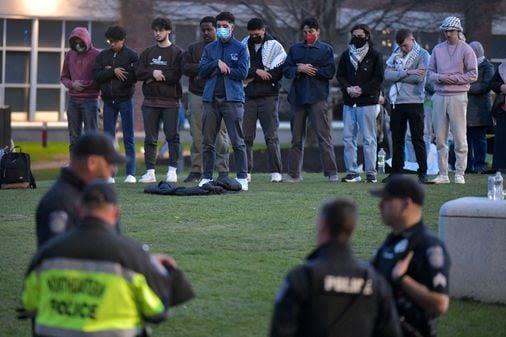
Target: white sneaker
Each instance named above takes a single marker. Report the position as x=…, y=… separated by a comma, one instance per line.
x=459, y=179
x=204, y=181
x=441, y=179
x=171, y=175
x=276, y=177
x=243, y=182
x=111, y=180
x=248, y=178
x=130, y=179
x=149, y=177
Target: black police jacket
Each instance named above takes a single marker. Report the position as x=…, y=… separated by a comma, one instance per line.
x=327, y=296
x=112, y=89
x=430, y=266
x=57, y=210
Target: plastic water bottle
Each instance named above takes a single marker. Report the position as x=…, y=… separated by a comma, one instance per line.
x=381, y=161
x=498, y=187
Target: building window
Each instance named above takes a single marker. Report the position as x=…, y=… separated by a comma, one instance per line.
x=48, y=70
x=19, y=33
x=17, y=67
x=50, y=34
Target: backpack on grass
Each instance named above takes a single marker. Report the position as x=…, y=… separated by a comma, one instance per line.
x=15, y=171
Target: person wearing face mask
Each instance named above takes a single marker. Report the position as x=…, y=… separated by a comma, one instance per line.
x=190, y=64
x=77, y=77
x=114, y=70
x=224, y=65
x=360, y=73
x=262, y=94
x=311, y=66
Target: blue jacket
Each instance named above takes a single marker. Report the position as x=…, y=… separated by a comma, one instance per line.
x=306, y=89
x=236, y=56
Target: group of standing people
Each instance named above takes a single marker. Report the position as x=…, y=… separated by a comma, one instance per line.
x=235, y=83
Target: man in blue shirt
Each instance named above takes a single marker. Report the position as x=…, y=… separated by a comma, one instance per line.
x=224, y=65
x=311, y=66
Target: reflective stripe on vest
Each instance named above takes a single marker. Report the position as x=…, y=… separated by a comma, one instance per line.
x=56, y=332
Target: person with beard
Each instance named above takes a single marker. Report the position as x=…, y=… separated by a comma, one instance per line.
x=77, y=77
x=360, y=73
x=159, y=68
x=114, y=70
x=262, y=94
x=405, y=72
x=93, y=157
x=310, y=64
x=190, y=64
x=224, y=66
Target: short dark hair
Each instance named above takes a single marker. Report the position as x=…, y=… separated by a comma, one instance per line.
x=97, y=194
x=225, y=16
x=366, y=30
x=341, y=217
x=402, y=34
x=311, y=23
x=402, y=187
x=210, y=19
x=255, y=23
x=115, y=33
x=161, y=23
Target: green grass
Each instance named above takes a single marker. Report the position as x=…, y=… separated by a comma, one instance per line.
x=234, y=248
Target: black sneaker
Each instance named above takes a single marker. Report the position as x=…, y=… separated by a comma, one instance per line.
x=371, y=178
x=352, y=178
x=193, y=177
x=422, y=178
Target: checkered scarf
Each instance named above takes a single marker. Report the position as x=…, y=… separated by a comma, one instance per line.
x=357, y=54
x=399, y=61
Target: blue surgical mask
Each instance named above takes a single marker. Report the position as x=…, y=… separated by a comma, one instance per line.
x=223, y=33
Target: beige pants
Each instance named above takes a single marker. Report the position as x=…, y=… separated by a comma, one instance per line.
x=449, y=113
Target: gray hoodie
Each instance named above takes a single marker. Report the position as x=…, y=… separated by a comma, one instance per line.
x=410, y=88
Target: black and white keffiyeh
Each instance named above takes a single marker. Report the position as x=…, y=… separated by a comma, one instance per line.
x=399, y=61
x=357, y=54
x=273, y=53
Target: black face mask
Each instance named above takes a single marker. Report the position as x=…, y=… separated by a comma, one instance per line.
x=358, y=42
x=255, y=39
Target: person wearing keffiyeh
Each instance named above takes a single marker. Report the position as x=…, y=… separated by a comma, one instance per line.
x=360, y=73
x=405, y=73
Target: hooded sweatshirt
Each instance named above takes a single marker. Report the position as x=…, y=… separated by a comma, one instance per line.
x=79, y=66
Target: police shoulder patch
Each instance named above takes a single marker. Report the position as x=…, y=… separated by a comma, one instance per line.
x=435, y=255
x=401, y=246
x=58, y=221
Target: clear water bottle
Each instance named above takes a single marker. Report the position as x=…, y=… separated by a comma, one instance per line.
x=498, y=187
x=381, y=161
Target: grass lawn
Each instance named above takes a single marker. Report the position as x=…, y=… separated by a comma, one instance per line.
x=235, y=249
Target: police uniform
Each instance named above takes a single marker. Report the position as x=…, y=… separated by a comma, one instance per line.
x=92, y=282
x=429, y=266
x=334, y=294
x=57, y=210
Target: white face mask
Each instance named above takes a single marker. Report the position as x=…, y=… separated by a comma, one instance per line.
x=78, y=47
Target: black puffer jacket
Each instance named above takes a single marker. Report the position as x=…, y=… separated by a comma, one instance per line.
x=112, y=89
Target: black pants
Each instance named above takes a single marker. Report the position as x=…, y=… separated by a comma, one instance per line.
x=401, y=114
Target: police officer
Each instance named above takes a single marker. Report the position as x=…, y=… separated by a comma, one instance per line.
x=412, y=259
x=333, y=293
x=92, y=282
x=92, y=157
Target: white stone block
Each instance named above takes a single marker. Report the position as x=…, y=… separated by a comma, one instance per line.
x=474, y=232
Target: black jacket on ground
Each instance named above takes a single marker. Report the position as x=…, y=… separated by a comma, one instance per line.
x=57, y=210
x=112, y=89
x=368, y=76
x=315, y=294
x=259, y=87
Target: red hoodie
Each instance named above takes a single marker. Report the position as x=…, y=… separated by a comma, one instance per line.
x=78, y=67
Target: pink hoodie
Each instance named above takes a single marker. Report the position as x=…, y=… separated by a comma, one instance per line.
x=78, y=66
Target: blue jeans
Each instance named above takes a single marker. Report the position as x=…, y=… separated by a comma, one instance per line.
x=477, y=148
x=79, y=112
x=126, y=110
x=363, y=118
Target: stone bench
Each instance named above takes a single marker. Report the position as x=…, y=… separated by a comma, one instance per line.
x=474, y=232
